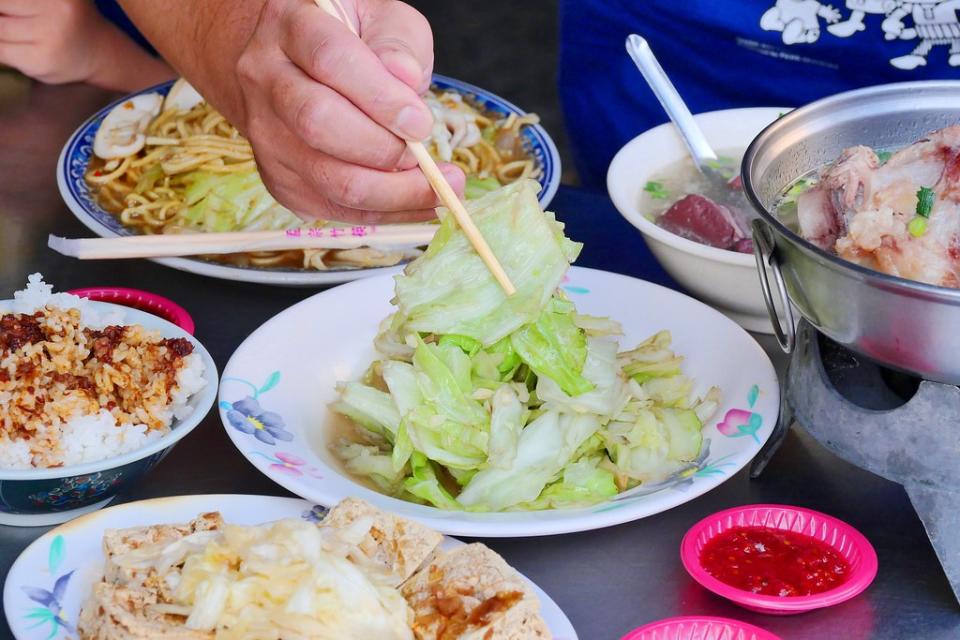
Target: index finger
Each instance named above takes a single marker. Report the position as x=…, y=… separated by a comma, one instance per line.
x=328, y=52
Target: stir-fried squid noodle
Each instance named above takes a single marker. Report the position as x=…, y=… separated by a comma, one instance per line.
x=194, y=172
x=153, y=190
x=147, y=188
x=490, y=151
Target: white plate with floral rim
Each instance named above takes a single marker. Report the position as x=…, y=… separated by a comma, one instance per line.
x=50, y=580
x=275, y=390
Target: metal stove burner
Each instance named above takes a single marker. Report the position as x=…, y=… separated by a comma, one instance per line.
x=899, y=427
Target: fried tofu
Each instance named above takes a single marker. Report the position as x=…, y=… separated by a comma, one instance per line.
x=396, y=545
x=471, y=593
x=122, y=605
x=118, y=543
x=115, y=612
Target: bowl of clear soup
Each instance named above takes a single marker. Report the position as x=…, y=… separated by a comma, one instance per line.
x=698, y=227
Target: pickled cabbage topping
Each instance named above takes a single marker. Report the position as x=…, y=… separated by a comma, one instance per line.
x=289, y=579
x=486, y=402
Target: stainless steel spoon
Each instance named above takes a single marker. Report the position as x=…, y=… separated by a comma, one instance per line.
x=703, y=155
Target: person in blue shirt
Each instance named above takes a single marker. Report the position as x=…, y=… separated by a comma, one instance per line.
x=740, y=53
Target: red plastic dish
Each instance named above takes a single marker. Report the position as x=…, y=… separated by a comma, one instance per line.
x=699, y=628
x=142, y=300
x=846, y=540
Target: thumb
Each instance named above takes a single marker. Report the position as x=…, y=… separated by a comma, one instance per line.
x=401, y=37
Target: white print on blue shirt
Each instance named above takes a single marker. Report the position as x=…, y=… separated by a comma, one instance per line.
x=932, y=22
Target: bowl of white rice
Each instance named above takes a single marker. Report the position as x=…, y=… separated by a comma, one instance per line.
x=92, y=396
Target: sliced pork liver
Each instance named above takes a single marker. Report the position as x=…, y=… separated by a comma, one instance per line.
x=702, y=220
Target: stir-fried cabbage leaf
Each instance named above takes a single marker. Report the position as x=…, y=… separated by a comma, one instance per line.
x=555, y=348
x=372, y=409
x=546, y=446
x=424, y=484
x=608, y=394
x=582, y=484
x=370, y=462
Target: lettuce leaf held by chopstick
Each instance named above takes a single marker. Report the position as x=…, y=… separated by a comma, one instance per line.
x=477, y=187
x=450, y=290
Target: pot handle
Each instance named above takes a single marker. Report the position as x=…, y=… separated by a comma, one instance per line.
x=764, y=252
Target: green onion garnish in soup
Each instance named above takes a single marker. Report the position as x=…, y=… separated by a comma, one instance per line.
x=883, y=156
x=925, y=199
x=656, y=190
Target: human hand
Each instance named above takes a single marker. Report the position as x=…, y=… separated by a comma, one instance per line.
x=60, y=41
x=50, y=40
x=328, y=113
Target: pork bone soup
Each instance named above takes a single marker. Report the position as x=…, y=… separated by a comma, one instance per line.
x=894, y=211
x=708, y=209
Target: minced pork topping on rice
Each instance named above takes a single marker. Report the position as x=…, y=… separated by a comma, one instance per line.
x=74, y=390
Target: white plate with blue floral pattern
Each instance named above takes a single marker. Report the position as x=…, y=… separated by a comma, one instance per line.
x=50, y=580
x=275, y=390
x=78, y=151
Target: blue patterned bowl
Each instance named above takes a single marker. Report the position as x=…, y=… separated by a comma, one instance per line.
x=40, y=497
x=75, y=192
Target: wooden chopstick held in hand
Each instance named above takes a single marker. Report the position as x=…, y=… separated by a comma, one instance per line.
x=440, y=185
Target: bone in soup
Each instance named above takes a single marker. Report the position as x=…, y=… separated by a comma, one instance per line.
x=709, y=209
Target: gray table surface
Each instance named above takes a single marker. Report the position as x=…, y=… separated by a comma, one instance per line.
x=607, y=581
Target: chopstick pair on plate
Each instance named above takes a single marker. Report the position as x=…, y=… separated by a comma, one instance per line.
x=390, y=237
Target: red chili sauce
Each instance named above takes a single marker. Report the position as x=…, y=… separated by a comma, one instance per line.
x=773, y=562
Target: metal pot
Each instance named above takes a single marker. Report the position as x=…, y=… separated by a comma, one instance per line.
x=899, y=323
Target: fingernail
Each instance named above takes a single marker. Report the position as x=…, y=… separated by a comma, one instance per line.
x=414, y=122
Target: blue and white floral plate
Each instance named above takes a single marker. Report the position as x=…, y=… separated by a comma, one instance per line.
x=275, y=390
x=75, y=192
x=50, y=580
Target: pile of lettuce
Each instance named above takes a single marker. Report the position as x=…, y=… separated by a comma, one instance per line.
x=486, y=402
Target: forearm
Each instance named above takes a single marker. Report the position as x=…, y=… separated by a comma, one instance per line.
x=123, y=65
x=202, y=40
